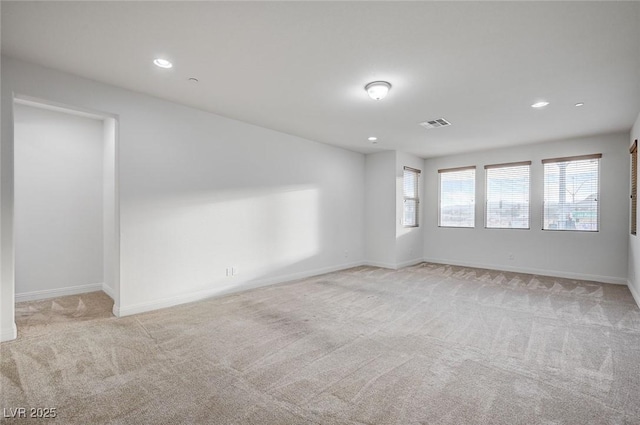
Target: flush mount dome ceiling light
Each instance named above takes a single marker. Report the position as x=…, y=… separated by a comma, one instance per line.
x=162, y=63
x=377, y=89
x=540, y=104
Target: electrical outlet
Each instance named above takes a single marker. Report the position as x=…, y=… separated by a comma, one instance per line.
x=234, y=271
x=346, y=253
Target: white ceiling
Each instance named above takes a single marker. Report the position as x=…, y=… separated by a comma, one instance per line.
x=301, y=67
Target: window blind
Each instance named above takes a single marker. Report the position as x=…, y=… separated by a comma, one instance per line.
x=634, y=187
x=457, y=197
x=507, y=200
x=571, y=193
x=410, y=211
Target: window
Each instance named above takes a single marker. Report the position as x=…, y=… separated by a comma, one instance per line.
x=457, y=197
x=411, y=204
x=507, y=203
x=571, y=193
x=634, y=186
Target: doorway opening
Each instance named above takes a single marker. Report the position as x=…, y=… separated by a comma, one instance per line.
x=66, y=215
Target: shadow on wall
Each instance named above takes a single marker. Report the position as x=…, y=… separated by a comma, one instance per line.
x=409, y=248
x=220, y=241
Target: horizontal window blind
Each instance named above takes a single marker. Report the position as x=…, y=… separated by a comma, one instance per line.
x=571, y=193
x=457, y=197
x=410, y=191
x=507, y=201
x=634, y=186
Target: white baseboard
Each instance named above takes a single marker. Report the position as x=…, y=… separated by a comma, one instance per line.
x=121, y=311
x=380, y=264
x=58, y=292
x=541, y=272
x=634, y=292
x=109, y=291
x=409, y=263
x=9, y=333
x=395, y=266
x=304, y=274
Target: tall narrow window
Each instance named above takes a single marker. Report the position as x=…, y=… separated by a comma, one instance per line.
x=410, y=209
x=571, y=193
x=457, y=197
x=507, y=202
x=634, y=186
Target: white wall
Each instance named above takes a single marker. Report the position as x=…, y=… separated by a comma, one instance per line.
x=409, y=240
x=380, y=196
x=58, y=202
x=600, y=256
x=111, y=213
x=7, y=324
x=634, y=244
x=388, y=243
x=200, y=193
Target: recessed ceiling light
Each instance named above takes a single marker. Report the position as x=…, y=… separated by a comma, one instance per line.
x=540, y=104
x=372, y=139
x=377, y=89
x=580, y=104
x=162, y=63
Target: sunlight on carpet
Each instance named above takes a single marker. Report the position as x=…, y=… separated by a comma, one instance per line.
x=428, y=344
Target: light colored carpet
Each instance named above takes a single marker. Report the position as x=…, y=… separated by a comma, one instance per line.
x=428, y=344
x=35, y=318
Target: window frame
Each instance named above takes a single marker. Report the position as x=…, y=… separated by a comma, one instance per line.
x=415, y=198
x=486, y=193
x=634, y=188
x=598, y=157
x=454, y=170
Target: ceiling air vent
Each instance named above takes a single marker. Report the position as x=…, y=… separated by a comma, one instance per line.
x=440, y=122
